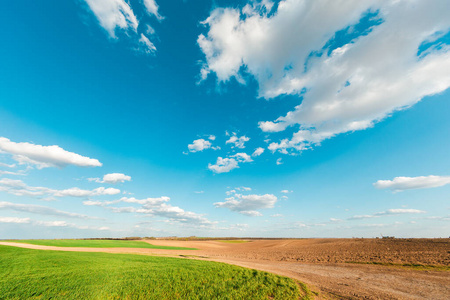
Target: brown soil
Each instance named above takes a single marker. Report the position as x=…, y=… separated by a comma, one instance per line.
x=324, y=264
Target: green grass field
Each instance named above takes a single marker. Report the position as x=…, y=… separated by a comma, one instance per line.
x=98, y=244
x=40, y=274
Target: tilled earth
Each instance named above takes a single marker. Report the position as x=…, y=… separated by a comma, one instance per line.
x=334, y=268
x=395, y=251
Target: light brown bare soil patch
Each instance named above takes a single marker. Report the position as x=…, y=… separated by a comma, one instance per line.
x=327, y=265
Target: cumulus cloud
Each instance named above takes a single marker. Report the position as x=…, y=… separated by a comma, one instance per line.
x=377, y=66
x=223, y=165
x=279, y=161
x=248, y=204
x=45, y=156
x=399, y=184
x=112, y=178
x=19, y=188
x=237, y=142
x=258, y=151
x=199, y=145
x=393, y=211
x=40, y=210
x=242, y=157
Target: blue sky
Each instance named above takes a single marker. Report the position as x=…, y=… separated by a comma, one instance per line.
x=221, y=118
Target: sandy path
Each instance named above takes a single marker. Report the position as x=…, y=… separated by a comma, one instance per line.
x=331, y=280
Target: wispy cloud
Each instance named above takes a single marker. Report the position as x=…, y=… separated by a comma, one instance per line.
x=152, y=9
x=399, y=184
x=258, y=151
x=19, y=188
x=14, y=220
x=157, y=207
x=114, y=15
x=394, y=211
x=40, y=210
x=45, y=156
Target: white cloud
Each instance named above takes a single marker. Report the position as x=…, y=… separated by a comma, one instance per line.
x=334, y=220
x=41, y=210
x=399, y=184
x=158, y=207
x=258, y=151
x=286, y=191
x=115, y=178
x=45, y=156
x=277, y=216
x=152, y=8
x=147, y=201
x=113, y=14
x=344, y=88
x=242, y=157
x=77, y=192
x=149, y=46
x=199, y=145
x=20, y=173
x=7, y=165
x=65, y=224
x=393, y=211
x=248, y=204
x=19, y=188
x=230, y=192
x=53, y=223
x=212, y=137
x=237, y=142
x=223, y=165
x=14, y=220
x=279, y=161
x=112, y=178
x=243, y=188
x=118, y=14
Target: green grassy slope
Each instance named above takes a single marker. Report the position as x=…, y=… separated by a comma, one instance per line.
x=39, y=274
x=98, y=244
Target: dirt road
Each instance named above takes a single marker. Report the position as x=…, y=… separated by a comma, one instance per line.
x=321, y=263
